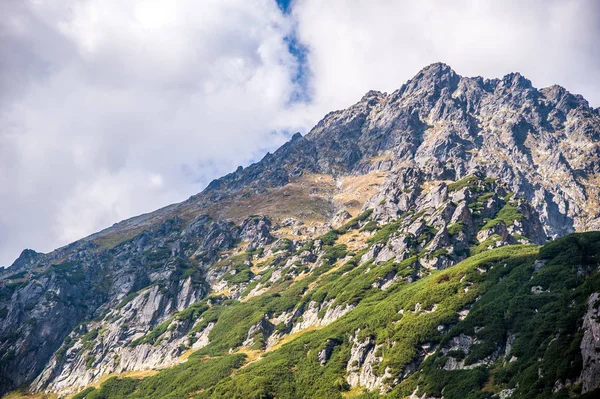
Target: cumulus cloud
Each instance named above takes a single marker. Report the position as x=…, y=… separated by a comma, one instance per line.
x=359, y=45
x=111, y=108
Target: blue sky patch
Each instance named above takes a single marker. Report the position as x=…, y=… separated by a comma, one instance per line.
x=300, y=52
x=284, y=5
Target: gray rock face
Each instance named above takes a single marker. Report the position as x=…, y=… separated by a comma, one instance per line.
x=590, y=346
x=463, y=344
x=257, y=231
x=114, y=348
x=26, y=260
x=84, y=281
x=506, y=393
x=259, y=333
x=325, y=353
x=363, y=364
x=504, y=128
x=310, y=316
x=340, y=218
x=358, y=355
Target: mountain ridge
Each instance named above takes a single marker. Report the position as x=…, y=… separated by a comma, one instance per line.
x=562, y=96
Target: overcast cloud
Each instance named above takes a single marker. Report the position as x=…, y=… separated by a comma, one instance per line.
x=111, y=108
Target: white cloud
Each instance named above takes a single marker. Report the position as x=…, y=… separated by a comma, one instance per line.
x=360, y=45
x=111, y=108
x=124, y=107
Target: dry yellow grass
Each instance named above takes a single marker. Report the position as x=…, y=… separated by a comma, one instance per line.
x=287, y=232
x=111, y=240
x=256, y=269
x=225, y=291
x=262, y=264
x=428, y=185
x=185, y=355
x=354, y=392
x=252, y=355
x=22, y=395
x=383, y=157
x=130, y=374
x=354, y=240
x=291, y=337
x=308, y=197
x=355, y=190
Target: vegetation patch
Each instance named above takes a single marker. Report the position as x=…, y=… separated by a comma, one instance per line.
x=194, y=378
x=507, y=215
x=456, y=228
x=383, y=235
x=468, y=181
x=153, y=336
x=495, y=285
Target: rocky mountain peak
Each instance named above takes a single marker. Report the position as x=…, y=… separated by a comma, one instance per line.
x=26, y=259
x=515, y=80
x=296, y=136
x=563, y=100
x=432, y=81
x=438, y=70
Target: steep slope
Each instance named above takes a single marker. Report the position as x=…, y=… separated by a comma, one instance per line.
x=517, y=321
x=443, y=168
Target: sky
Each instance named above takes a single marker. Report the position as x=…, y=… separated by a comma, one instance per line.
x=112, y=108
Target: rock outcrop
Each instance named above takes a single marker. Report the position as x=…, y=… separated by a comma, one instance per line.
x=590, y=345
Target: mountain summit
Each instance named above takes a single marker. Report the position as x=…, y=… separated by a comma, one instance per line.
x=401, y=248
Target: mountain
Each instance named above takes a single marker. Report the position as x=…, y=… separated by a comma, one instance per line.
x=408, y=246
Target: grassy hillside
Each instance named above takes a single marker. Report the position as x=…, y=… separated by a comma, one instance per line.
x=520, y=308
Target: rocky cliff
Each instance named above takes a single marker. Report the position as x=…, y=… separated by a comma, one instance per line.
x=378, y=196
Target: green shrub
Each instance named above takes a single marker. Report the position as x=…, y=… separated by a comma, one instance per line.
x=242, y=276
x=153, y=336
x=332, y=254
x=455, y=228
x=383, y=235
x=354, y=223
x=507, y=215
x=158, y=254
x=329, y=238
x=371, y=225
x=468, y=181
x=88, y=340
x=89, y=361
